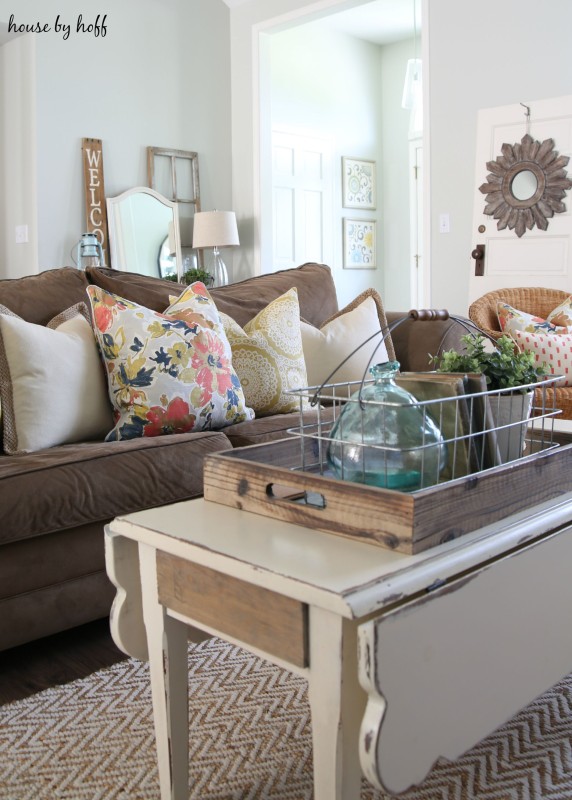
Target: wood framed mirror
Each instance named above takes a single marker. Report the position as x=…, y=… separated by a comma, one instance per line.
x=525, y=185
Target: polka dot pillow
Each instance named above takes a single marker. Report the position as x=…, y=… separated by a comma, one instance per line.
x=554, y=351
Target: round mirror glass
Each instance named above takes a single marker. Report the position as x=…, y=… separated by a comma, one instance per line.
x=524, y=185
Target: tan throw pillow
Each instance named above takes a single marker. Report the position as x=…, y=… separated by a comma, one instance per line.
x=52, y=383
x=268, y=357
x=326, y=348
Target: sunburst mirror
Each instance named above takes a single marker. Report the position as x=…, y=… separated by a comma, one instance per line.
x=525, y=185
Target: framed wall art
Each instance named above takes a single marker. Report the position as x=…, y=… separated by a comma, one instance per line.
x=358, y=183
x=359, y=244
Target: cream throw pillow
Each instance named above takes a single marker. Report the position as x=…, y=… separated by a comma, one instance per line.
x=268, y=357
x=52, y=383
x=326, y=348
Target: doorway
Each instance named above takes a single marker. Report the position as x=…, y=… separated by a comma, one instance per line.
x=393, y=277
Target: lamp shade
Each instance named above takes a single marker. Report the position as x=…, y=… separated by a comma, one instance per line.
x=215, y=229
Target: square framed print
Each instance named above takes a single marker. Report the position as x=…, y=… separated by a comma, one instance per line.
x=359, y=244
x=358, y=183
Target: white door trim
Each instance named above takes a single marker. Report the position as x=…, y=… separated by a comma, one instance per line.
x=261, y=139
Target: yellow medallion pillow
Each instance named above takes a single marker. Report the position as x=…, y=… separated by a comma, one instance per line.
x=268, y=357
x=165, y=375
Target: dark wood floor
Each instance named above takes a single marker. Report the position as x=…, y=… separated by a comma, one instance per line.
x=56, y=659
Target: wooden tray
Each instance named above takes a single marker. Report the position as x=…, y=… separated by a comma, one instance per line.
x=260, y=479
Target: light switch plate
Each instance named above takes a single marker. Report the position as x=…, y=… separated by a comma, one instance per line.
x=21, y=234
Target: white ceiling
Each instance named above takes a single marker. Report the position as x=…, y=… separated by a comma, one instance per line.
x=380, y=21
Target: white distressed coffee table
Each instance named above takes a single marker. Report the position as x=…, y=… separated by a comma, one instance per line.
x=408, y=658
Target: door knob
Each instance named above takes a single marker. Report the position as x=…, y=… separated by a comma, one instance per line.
x=479, y=255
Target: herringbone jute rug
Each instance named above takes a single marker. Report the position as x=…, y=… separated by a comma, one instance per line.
x=251, y=738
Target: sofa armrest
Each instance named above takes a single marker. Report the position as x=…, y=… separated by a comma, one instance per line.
x=415, y=341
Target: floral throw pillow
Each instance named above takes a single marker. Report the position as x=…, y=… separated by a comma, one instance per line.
x=511, y=320
x=562, y=315
x=165, y=375
x=268, y=356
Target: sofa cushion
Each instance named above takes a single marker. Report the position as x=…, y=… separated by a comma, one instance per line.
x=39, y=298
x=52, y=383
x=316, y=293
x=150, y=292
x=270, y=429
x=339, y=338
x=164, y=375
x=242, y=301
x=268, y=357
x=76, y=484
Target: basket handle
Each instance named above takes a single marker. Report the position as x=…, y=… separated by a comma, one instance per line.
x=429, y=314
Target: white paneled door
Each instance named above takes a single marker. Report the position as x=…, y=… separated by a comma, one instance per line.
x=537, y=257
x=301, y=199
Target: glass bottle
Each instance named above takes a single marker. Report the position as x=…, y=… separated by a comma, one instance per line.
x=386, y=438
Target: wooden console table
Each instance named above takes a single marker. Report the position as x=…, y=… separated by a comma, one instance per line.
x=408, y=658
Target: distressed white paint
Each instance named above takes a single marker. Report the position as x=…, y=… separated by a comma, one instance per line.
x=167, y=641
x=447, y=669
x=346, y=583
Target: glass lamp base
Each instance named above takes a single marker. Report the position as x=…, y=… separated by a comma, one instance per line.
x=219, y=271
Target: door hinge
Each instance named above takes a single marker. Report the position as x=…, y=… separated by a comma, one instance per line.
x=415, y=172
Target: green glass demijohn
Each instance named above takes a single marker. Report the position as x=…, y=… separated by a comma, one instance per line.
x=385, y=438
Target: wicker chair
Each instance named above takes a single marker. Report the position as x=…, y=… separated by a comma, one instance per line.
x=533, y=300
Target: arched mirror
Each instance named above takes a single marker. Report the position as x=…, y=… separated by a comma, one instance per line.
x=144, y=233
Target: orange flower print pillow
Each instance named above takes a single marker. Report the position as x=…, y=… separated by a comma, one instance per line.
x=165, y=375
x=562, y=315
x=559, y=320
x=511, y=320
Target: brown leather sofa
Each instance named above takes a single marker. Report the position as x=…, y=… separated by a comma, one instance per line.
x=54, y=503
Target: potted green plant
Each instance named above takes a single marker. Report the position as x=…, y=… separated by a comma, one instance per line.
x=504, y=367
x=192, y=275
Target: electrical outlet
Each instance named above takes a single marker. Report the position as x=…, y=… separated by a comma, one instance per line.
x=21, y=234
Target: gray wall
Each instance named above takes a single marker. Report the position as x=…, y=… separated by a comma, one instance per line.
x=482, y=55
x=161, y=77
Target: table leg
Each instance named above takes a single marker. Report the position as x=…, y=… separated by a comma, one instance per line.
x=167, y=643
x=337, y=703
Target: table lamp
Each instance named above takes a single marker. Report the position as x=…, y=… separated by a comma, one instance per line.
x=216, y=229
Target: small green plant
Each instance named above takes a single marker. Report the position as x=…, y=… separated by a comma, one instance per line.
x=504, y=367
x=192, y=275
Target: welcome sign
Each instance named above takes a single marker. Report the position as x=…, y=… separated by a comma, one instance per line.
x=95, y=208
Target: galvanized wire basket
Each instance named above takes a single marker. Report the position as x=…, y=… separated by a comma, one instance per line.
x=480, y=429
